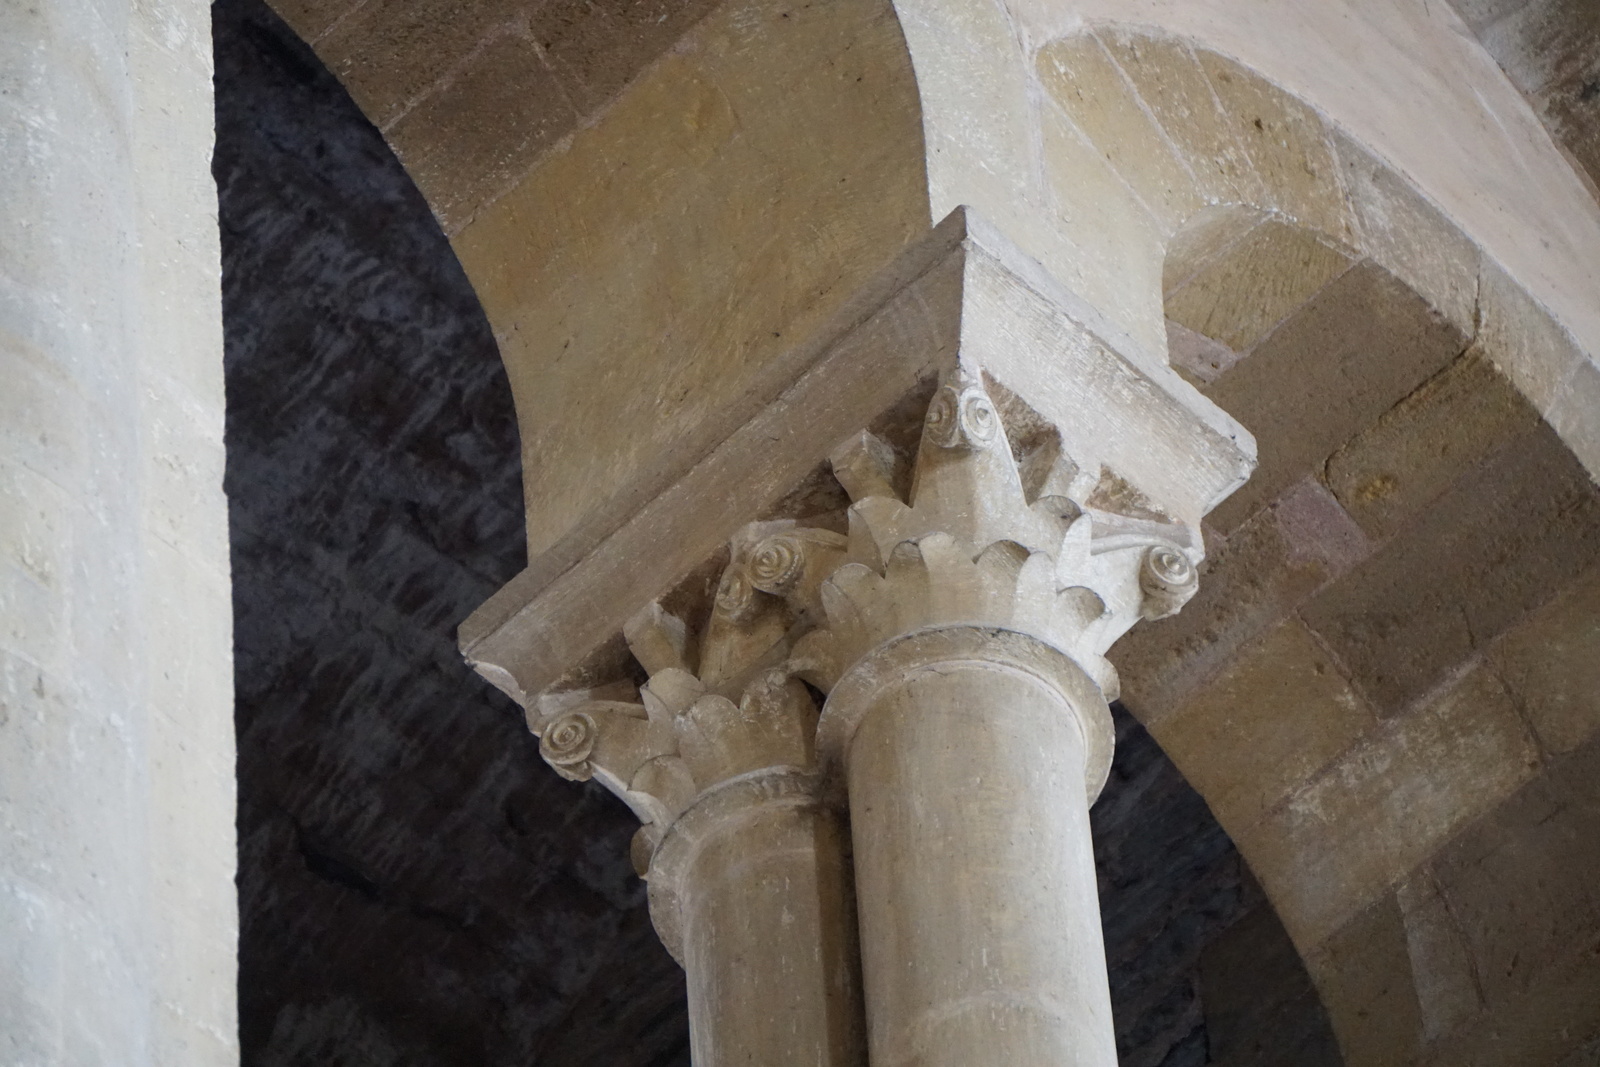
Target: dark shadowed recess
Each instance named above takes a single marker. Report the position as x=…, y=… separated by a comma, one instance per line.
x=415, y=887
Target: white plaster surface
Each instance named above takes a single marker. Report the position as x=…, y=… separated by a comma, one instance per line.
x=117, y=912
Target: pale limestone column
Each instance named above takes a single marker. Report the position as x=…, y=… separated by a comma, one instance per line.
x=963, y=653
x=975, y=868
x=751, y=889
x=118, y=908
x=999, y=536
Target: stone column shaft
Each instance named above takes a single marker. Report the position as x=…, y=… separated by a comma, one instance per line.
x=768, y=927
x=975, y=869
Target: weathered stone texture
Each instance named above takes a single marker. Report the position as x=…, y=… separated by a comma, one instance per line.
x=1452, y=423
x=1281, y=709
x=1551, y=662
x=1080, y=75
x=1359, y=346
x=1266, y=569
x=626, y=364
x=1363, y=972
x=1245, y=289
x=1386, y=804
x=1503, y=540
x=117, y=917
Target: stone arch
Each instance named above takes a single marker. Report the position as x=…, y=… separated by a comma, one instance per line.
x=1099, y=148
x=1382, y=799
x=1302, y=235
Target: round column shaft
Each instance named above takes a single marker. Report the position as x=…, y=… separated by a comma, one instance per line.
x=980, y=920
x=752, y=891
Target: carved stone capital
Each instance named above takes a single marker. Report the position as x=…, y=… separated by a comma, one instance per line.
x=976, y=544
x=964, y=450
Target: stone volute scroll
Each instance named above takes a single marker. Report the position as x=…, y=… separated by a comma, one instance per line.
x=864, y=706
x=747, y=866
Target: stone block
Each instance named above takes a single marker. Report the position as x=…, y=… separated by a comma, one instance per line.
x=1575, y=415
x=1502, y=541
x=1177, y=92
x=391, y=53
x=1198, y=358
x=311, y=19
x=1080, y=76
x=1522, y=339
x=1242, y=292
x=1418, y=448
x=1351, y=353
x=1448, y=992
x=1287, y=143
x=1408, y=236
x=1523, y=883
x=1363, y=971
x=599, y=47
x=1388, y=803
x=625, y=364
x=470, y=140
x=1248, y=584
x=1264, y=726
x=1118, y=240
x=1551, y=662
x=1556, y=1023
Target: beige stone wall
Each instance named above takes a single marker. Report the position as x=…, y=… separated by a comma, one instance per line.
x=117, y=910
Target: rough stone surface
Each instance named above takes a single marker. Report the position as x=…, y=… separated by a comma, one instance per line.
x=1281, y=710
x=117, y=917
x=1551, y=662
x=1252, y=580
x=1388, y=803
x=1363, y=972
x=1506, y=538
x=1418, y=448
x=1244, y=290
x=1362, y=343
